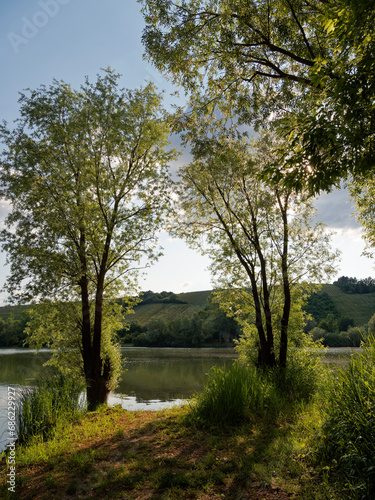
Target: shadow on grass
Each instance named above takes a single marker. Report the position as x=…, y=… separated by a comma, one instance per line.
x=153, y=455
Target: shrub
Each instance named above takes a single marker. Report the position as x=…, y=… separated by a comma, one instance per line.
x=230, y=396
x=235, y=394
x=53, y=399
x=302, y=377
x=347, y=443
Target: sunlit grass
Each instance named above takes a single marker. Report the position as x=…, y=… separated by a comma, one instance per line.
x=47, y=405
x=268, y=451
x=114, y=453
x=347, y=445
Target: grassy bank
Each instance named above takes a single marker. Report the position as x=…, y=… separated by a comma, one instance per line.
x=301, y=433
x=116, y=453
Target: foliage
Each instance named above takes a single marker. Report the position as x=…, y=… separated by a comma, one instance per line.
x=210, y=325
x=351, y=338
x=363, y=191
x=54, y=400
x=347, y=445
x=57, y=326
x=329, y=324
x=302, y=376
x=150, y=297
x=242, y=392
x=304, y=67
x=354, y=285
x=12, y=330
x=345, y=323
x=86, y=173
x=371, y=326
x=319, y=305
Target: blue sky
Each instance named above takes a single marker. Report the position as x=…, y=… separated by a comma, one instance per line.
x=69, y=39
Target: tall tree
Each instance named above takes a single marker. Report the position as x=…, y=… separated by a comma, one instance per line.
x=86, y=174
x=363, y=193
x=304, y=66
x=263, y=246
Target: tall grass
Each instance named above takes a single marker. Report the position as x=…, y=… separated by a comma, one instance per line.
x=347, y=443
x=228, y=398
x=53, y=400
x=237, y=393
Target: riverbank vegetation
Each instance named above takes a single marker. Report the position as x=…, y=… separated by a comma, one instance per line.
x=340, y=317
x=52, y=401
x=278, y=438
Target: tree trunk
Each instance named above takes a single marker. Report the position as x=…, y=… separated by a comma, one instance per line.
x=100, y=372
x=286, y=285
x=97, y=381
x=97, y=372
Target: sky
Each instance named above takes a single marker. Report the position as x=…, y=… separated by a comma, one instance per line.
x=71, y=39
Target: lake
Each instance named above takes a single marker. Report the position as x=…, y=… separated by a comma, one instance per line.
x=152, y=379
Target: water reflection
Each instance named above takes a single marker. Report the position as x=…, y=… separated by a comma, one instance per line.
x=152, y=379
x=168, y=374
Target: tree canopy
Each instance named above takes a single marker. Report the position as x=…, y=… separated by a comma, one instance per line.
x=86, y=174
x=354, y=285
x=304, y=67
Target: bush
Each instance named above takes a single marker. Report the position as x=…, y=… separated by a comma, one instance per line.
x=302, y=377
x=235, y=394
x=230, y=396
x=347, y=443
x=53, y=399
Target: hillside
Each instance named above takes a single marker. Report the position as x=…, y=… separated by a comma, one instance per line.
x=194, y=302
x=360, y=307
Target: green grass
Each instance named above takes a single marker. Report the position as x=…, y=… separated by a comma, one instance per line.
x=232, y=395
x=47, y=405
x=143, y=314
x=114, y=453
x=360, y=307
x=347, y=443
x=195, y=302
x=195, y=298
x=240, y=393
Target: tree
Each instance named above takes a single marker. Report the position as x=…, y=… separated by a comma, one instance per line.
x=259, y=237
x=302, y=66
x=86, y=175
x=363, y=191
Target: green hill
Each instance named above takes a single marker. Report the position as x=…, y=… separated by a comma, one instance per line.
x=360, y=307
x=193, y=303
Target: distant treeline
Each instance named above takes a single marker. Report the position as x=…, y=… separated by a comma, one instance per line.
x=12, y=330
x=212, y=326
x=352, y=285
x=150, y=297
x=209, y=326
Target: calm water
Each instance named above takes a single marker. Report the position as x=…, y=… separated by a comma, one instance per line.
x=153, y=378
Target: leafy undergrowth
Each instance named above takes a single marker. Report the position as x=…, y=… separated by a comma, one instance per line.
x=114, y=453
